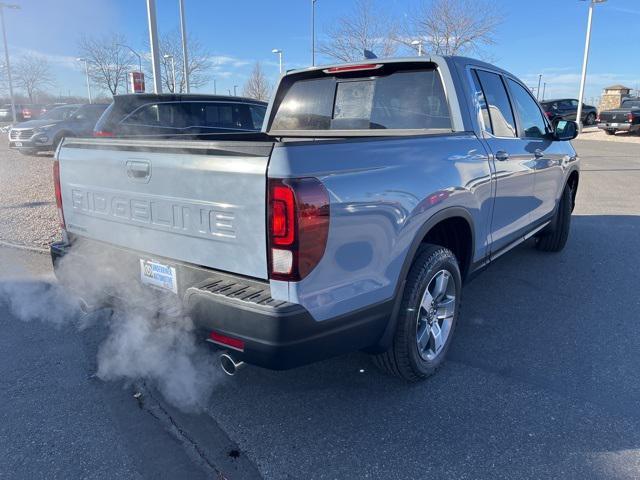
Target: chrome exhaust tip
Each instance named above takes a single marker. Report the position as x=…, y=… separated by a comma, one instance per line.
x=229, y=365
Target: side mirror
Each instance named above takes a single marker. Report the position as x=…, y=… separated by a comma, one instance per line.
x=565, y=130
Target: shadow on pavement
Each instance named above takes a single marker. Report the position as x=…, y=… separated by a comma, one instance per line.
x=542, y=381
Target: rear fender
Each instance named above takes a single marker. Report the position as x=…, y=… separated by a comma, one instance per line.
x=450, y=212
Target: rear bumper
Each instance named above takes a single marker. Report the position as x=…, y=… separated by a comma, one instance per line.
x=623, y=127
x=276, y=335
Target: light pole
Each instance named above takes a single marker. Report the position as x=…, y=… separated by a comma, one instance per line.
x=4, y=5
x=135, y=53
x=215, y=89
x=153, y=42
x=235, y=89
x=418, y=43
x=173, y=71
x=538, y=90
x=279, y=52
x=185, y=56
x=544, y=89
x=313, y=33
x=585, y=60
x=86, y=73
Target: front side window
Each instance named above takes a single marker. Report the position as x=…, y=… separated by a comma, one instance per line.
x=401, y=100
x=533, y=124
x=502, y=121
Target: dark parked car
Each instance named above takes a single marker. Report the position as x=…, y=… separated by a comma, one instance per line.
x=23, y=112
x=175, y=115
x=625, y=118
x=566, y=109
x=46, y=133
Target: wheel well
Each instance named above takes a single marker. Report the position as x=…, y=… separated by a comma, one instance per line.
x=455, y=234
x=574, y=178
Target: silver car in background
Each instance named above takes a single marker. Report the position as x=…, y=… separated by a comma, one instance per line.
x=45, y=133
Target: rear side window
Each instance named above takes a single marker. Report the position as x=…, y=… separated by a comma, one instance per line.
x=483, y=109
x=231, y=116
x=257, y=115
x=157, y=115
x=403, y=100
x=500, y=114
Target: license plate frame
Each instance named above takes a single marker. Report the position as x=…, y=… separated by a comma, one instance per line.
x=614, y=124
x=158, y=275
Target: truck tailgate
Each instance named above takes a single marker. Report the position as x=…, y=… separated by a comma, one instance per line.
x=193, y=201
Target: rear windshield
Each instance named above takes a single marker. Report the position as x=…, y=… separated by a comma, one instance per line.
x=631, y=104
x=403, y=100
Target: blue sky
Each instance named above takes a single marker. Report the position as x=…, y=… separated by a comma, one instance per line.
x=537, y=36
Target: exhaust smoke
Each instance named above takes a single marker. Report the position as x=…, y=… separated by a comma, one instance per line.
x=146, y=338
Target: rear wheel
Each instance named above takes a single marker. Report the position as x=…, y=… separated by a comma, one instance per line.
x=591, y=119
x=554, y=239
x=427, y=317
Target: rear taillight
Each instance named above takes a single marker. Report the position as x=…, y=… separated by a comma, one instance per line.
x=298, y=223
x=56, y=183
x=630, y=117
x=102, y=133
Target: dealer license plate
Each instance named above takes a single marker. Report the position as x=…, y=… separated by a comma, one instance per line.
x=158, y=275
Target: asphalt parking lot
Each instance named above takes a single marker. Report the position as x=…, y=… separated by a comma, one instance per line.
x=542, y=380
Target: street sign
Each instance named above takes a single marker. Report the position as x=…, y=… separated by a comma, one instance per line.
x=136, y=82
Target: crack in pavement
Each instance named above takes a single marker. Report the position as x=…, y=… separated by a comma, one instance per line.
x=226, y=462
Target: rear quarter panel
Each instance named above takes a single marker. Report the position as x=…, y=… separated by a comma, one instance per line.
x=382, y=191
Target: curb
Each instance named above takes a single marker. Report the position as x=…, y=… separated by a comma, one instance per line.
x=23, y=247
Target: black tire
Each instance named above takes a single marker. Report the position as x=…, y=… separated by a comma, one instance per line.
x=591, y=119
x=28, y=152
x=555, y=238
x=610, y=132
x=403, y=359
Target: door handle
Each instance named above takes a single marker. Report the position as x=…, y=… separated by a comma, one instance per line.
x=538, y=153
x=501, y=155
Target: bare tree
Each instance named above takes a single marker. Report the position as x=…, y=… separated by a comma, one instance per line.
x=257, y=86
x=365, y=27
x=453, y=27
x=108, y=60
x=170, y=44
x=32, y=74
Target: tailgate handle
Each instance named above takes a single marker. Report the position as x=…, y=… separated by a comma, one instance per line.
x=139, y=170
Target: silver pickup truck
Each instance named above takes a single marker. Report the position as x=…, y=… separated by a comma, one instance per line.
x=350, y=223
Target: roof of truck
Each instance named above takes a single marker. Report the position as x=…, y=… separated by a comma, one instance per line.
x=459, y=60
